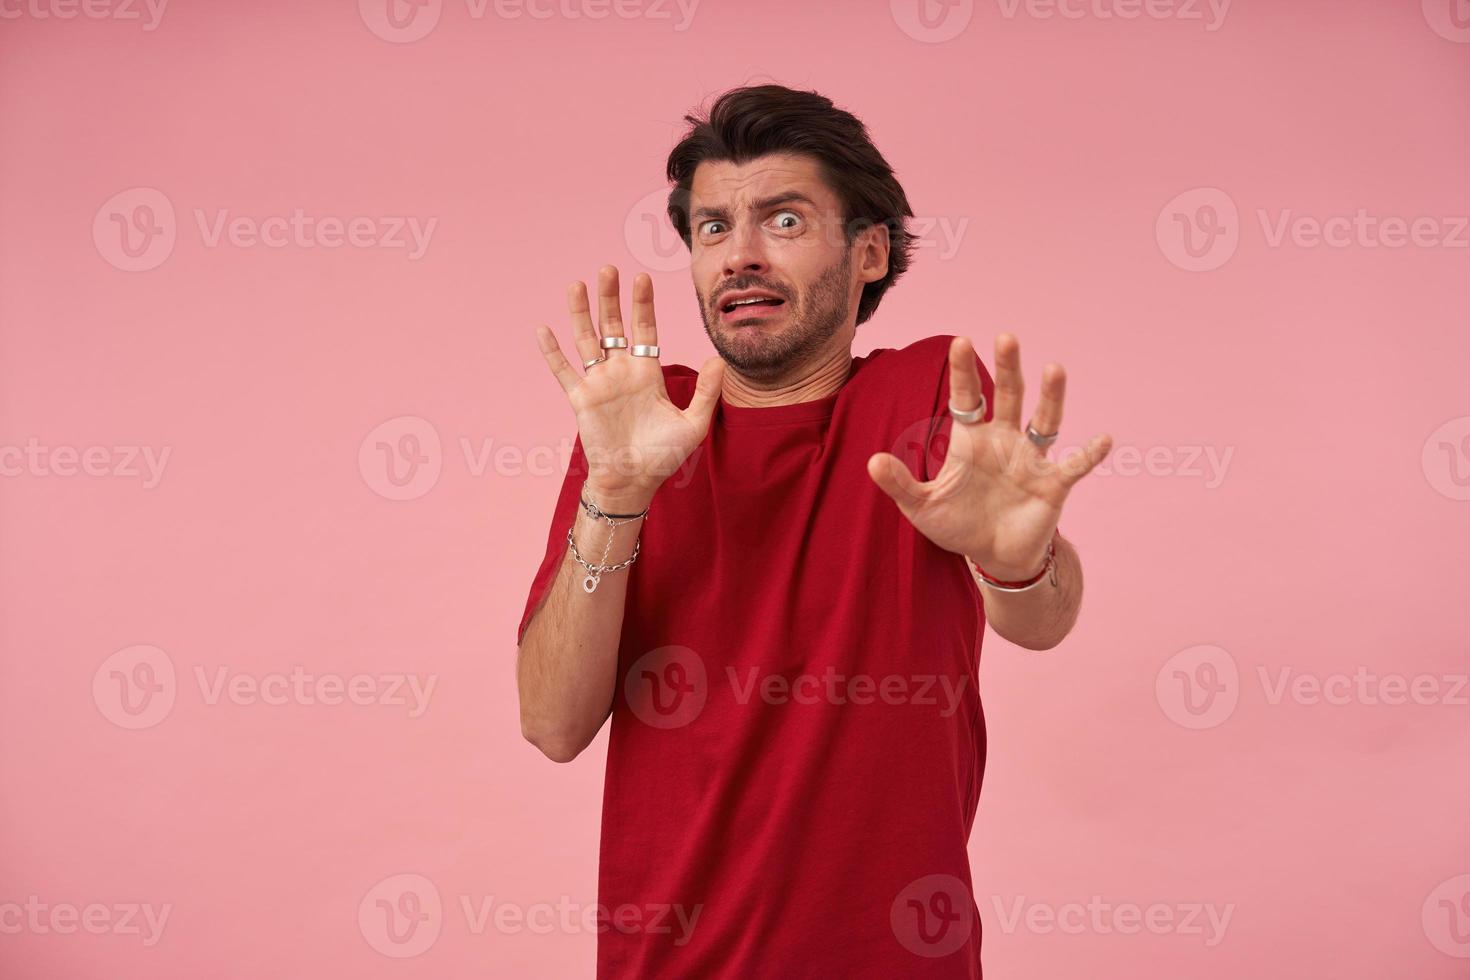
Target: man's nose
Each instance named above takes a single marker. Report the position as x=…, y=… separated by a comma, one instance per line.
x=745, y=252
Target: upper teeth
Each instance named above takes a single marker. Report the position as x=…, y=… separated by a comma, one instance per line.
x=752, y=299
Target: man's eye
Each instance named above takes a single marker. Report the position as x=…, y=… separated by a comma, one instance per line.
x=708, y=228
x=784, y=215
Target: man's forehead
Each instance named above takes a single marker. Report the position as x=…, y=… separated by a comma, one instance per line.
x=721, y=182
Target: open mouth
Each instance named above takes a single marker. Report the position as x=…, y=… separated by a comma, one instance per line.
x=742, y=308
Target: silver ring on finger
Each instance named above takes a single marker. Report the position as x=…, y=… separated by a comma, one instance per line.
x=644, y=350
x=608, y=343
x=1041, y=441
x=972, y=416
x=586, y=365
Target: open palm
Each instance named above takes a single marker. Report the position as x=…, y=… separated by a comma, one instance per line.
x=632, y=433
x=998, y=497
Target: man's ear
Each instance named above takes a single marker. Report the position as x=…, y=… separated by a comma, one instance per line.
x=872, y=249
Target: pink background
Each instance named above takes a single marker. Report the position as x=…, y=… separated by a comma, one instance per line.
x=1052, y=150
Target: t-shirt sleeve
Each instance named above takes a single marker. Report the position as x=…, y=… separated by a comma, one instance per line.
x=556, y=536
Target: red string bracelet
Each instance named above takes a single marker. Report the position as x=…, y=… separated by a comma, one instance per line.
x=1049, y=566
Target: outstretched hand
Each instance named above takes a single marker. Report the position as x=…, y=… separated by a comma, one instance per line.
x=998, y=497
x=633, y=435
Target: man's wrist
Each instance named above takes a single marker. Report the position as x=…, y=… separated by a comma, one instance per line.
x=623, y=501
x=1011, y=575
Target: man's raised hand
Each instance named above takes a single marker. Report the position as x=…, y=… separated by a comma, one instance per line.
x=998, y=498
x=633, y=435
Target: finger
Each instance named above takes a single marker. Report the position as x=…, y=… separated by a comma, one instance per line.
x=1080, y=462
x=965, y=392
x=1010, y=387
x=706, y=393
x=609, y=305
x=893, y=477
x=1047, y=419
x=645, y=329
x=584, y=334
x=566, y=375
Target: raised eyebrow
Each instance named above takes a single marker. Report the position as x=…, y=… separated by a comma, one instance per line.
x=789, y=197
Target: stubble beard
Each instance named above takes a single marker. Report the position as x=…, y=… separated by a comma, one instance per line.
x=762, y=353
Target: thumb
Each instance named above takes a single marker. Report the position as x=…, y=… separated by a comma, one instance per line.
x=706, y=392
x=893, y=477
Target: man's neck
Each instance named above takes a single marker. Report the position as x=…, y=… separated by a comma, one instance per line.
x=826, y=379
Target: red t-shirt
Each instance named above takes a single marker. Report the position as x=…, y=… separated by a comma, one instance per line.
x=797, y=741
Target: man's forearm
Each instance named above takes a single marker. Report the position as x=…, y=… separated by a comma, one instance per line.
x=1038, y=618
x=566, y=668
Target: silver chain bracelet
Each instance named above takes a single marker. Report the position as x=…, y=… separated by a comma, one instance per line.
x=594, y=572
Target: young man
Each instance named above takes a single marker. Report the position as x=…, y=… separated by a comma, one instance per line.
x=782, y=620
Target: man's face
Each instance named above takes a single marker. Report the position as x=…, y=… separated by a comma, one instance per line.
x=771, y=226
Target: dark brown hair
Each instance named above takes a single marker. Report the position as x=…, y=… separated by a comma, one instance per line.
x=745, y=123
